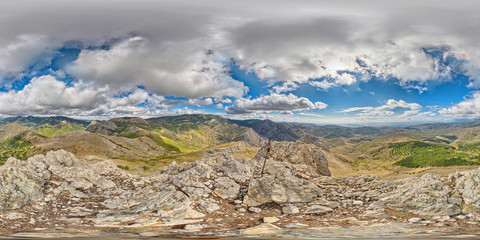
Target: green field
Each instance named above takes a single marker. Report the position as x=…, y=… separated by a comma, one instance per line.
x=423, y=154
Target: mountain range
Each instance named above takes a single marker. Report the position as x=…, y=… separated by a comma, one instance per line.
x=164, y=139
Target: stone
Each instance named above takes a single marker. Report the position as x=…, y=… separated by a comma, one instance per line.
x=326, y=203
x=226, y=188
x=290, y=209
x=15, y=215
x=318, y=209
x=357, y=203
x=194, y=227
x=254, y=209
x=296, y=225
x=442, y=218
x=414, y=220
x=208, y=207
x=264, y=228
x=270, y=219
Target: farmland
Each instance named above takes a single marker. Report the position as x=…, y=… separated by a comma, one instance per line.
x=423, y=154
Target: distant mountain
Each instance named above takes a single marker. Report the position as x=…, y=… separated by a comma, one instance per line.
x=269, y=129
x=46, y=126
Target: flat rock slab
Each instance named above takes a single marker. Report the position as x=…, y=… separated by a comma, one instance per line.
x=318, y=209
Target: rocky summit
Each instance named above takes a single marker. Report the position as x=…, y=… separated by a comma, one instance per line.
x=222, y=194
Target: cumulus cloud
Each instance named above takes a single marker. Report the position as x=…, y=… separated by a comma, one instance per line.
x=385, y=110
x=200, y=102
x=25, y=51
x=285, y=87
x=47, y=93
x=468, y=108
x=162, y=69
x=343, y=79
x=273, y=103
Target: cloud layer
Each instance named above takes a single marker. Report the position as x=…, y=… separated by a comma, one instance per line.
x=135, y=57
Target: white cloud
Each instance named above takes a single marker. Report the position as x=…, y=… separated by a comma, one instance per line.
x=285, y=87
x=181, y=48
x=200, y=102
x=46, y=93
x=25, y=51
x=273, y=103
x=171, y=69
x=386, y=109
x=468, y=108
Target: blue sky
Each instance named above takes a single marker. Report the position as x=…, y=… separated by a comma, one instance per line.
x=322, y=62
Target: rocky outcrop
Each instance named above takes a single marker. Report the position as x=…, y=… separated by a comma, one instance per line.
x=280, y=185
x=57, y=189
x=427, y=195
x=297, y=153
x=467, y=187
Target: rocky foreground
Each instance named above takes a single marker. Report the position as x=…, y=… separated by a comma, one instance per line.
x=221, y=195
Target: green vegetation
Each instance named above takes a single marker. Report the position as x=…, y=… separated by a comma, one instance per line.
x=423, y=154
x=159, y=140
x=131, y=135
x=470, y=147
x=123, y=167
x=408, y=148
x=48, y=130
x=16, y=147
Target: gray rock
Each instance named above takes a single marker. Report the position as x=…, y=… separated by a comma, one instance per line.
x=326, y=203
x=280, y=185
x=270, y=219
x=414, y=220
x=467, y=186
x=318, y=209
x=290, y=209
x=426, y=195
x=357, y=203
x=226, y=188
x=297, y=153
x=254, y=209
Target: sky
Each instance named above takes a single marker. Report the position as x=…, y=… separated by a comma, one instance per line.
x=345, y=62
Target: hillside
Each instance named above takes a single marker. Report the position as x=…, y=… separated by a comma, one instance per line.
x=46, y=126
x=185, y=132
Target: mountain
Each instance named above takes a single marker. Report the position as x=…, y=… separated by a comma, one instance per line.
x=83, y=144
x=46, y=126
x=186, y=132
x=251, y=138
x=271, y=130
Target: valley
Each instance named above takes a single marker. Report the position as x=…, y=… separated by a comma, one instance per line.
x=142, y=146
